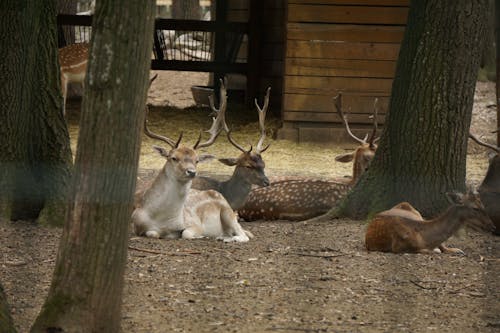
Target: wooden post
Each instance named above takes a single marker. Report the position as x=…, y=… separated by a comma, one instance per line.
x=220, y=42
x=254, y=54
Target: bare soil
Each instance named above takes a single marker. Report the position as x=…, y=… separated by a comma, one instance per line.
x=292, y=277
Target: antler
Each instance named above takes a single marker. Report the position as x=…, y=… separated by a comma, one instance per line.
x=338, y=105
x=372, y=138
x=484, y=144
x=147, y=131
x=262, y=118
x=219, y=121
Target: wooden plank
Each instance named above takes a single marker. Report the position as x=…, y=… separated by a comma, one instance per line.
x=238, y=16
x=331, y=85
x=341, y=50
x=353, y=2
x=340, y=67
x=328, y=117
x=238, y=4
x=324, y=103
x=347, y=14
x=345, y=32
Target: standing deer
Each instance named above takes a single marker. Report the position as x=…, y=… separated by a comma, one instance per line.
x=300, y=199
x=171, y=209
x=249, y=166
x=489, y=190
x=73, y=66
x=401, y=232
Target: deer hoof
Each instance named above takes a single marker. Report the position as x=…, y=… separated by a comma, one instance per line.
x=152, y=234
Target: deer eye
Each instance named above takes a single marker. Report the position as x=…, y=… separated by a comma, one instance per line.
x=175, y=159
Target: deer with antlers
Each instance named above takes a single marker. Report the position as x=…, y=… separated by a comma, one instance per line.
x=249, y=165
x=298, y=199
x=73, y=66
x=402, y=229
x=169, y=208
x=489, y=190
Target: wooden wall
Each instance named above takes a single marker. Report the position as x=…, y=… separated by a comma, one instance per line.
x=272, y=41
x=348, y=46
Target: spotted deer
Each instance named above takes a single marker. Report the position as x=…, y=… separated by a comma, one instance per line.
x=398, y=233
x=249, y=165
x=299, y=199
x=169, y=208
x=73, y=66
x=489, y=190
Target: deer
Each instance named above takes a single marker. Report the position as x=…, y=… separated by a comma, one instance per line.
x=400, y=232
x=301, y=199
x=73, y=66
x=489, y=190
x=249, y=165
x=170, y=209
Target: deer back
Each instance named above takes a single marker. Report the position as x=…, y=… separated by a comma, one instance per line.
x=293, y=200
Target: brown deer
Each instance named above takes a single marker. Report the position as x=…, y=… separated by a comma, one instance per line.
x=73, y=66
x=489, y=190
x=407, y=211
x=169, y=208
x=301, y=199
x=249, y=165
x=402, y=232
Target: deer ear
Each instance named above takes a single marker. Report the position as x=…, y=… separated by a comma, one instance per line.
x=205, y=157
x=163, y=152
x=228, y=161
x=455, y=197
x=344, y=158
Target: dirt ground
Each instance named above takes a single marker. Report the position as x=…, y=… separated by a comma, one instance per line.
x=292, y=277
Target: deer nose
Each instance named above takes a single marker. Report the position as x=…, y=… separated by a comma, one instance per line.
x=191, y=173
x=265, y=182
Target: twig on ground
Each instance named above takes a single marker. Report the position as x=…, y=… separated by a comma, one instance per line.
x=184, y=253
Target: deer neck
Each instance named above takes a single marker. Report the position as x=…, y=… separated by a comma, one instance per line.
x=166, y=196
x=438, y=230
x=236, y=188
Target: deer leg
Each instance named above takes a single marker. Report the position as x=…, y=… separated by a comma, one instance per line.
x=233, y=232
x=451, y=250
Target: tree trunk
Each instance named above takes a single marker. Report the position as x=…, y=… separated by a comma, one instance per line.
x=86, y=290
x=35, y=155
x=423, y=147
x=487, y=72
x=186, y=9
x=6, y=323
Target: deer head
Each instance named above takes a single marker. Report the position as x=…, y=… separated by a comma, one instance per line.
x=489, y=189
x=365, y=152
x=249, y=165
x=181, y=161
x=73, y=66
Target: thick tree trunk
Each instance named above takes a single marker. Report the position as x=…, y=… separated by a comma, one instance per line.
x=86, y=290
x=6, y=323
x=35, y=155
x=487, y=72
x=423, y=147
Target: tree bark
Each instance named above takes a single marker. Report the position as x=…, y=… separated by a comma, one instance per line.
x=423, y=147
x=86, y=290
x=6, y=323
x=35, y=154
x=487, y=72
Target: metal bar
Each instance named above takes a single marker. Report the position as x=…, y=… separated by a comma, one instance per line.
x=199, y=66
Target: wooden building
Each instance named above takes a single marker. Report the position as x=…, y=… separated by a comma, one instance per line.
x=332, y=46
x=310, y=50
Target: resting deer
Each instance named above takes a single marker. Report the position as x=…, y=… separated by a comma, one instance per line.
x=249, y=166
x=301, y=199
x=73, y=66
x=171, y=209
x=401, y=232
x=489, y=190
